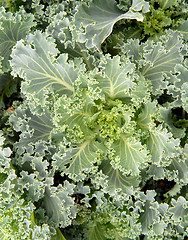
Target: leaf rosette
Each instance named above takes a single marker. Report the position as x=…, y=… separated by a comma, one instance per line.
x=102, y=114
x=102, y=123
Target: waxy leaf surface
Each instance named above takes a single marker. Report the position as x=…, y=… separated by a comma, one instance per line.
x=35, y=61
x=78, y=159
x=99, y=17
x=131, y=154
x=12, y=29
x=117, y=79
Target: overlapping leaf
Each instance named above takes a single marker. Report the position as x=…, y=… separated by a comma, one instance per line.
x=179, y=211
x=38, y=165
x=156, y=60
x=116, y=79
x=118, y=181
x=156, y=172
x=59, y=29
x=78, y=159
x=59, y=204
x=133, y=49
x=14, y=211
x=12, y=29
x=161, y=59
x=150, y=212
x=179, y=90
x=73, y=116
x=38, y=128
x=183, y=29
x=35, y=188
x=180, y=166
x=99, y=17
x=132, y=155
x=145, y=118
x=162, y=145
x=35, y=61
x=148, y=216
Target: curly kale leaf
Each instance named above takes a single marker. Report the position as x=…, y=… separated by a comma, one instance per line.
x=99, y=17
x=36, y=62
x=12, y=29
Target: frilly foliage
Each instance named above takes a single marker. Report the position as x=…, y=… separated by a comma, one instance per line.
x=94, y=119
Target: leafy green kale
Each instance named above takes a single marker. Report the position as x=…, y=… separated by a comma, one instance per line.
x=94, y=119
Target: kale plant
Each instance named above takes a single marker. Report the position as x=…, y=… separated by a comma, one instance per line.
x=94, y=119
